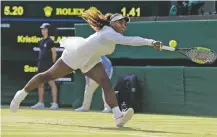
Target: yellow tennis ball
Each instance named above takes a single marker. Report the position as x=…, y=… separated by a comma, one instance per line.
x=173, y=43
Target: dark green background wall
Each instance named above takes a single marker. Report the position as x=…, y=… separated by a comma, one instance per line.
x=167, y=89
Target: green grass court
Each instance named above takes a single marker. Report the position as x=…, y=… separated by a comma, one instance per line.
x=67, y=123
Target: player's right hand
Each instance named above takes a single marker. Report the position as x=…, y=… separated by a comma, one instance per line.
x=158, y=45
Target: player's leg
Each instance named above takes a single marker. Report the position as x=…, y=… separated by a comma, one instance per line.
x=40, y=104
x=59, y=69
x=107, y=109
x=98, y=74
x=42, y=67
x=41, y=92
x=90, y=88
x=53, y=86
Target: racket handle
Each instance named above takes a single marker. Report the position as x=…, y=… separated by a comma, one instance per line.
x=168, y=48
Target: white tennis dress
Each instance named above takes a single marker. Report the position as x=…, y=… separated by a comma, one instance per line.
x=85, y=53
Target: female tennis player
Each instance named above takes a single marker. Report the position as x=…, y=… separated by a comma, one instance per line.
x=91, y=86
x=84, y=54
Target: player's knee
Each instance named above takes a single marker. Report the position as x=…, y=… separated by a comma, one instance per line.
x=52, y=84
x=105, y=83
x=102, y=80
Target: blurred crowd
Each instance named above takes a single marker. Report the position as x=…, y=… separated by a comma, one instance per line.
x=193, y=7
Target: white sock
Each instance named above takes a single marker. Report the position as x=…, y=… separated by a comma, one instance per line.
x=116, y=112
x=25, y=93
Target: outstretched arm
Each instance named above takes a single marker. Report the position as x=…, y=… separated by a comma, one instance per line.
x=117, y=38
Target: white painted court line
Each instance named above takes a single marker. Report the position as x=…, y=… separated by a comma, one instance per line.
x=10, y=125
x=43, y=133
x=71, y=132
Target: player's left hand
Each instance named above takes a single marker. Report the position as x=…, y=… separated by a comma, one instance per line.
x=158, y=45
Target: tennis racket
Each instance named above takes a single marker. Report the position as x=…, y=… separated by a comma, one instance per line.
x=199, y=55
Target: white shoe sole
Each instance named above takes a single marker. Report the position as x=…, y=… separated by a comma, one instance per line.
x=54, y=108
x=37, y=107
x=127, y=116
x=14, y=106
x=81, y=110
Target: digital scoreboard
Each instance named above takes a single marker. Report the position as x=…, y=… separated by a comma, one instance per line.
x=71, y=9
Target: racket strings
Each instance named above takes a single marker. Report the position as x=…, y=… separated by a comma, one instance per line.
x=205, y=56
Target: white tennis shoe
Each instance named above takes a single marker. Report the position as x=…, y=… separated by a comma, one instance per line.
x=82, y=109
x=121, y=121
x=54, y=106
x=39, y=105
x=18, y=98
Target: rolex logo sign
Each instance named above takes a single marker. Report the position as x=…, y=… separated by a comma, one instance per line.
x=48, y=11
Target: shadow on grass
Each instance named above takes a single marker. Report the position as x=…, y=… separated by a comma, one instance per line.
x=105, y=128
x=131, y=129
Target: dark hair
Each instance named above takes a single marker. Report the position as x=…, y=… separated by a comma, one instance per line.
x=96, y=19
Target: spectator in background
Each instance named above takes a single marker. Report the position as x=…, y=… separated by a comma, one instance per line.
x=190, y=7
x=47, y=57
x=196, y=7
